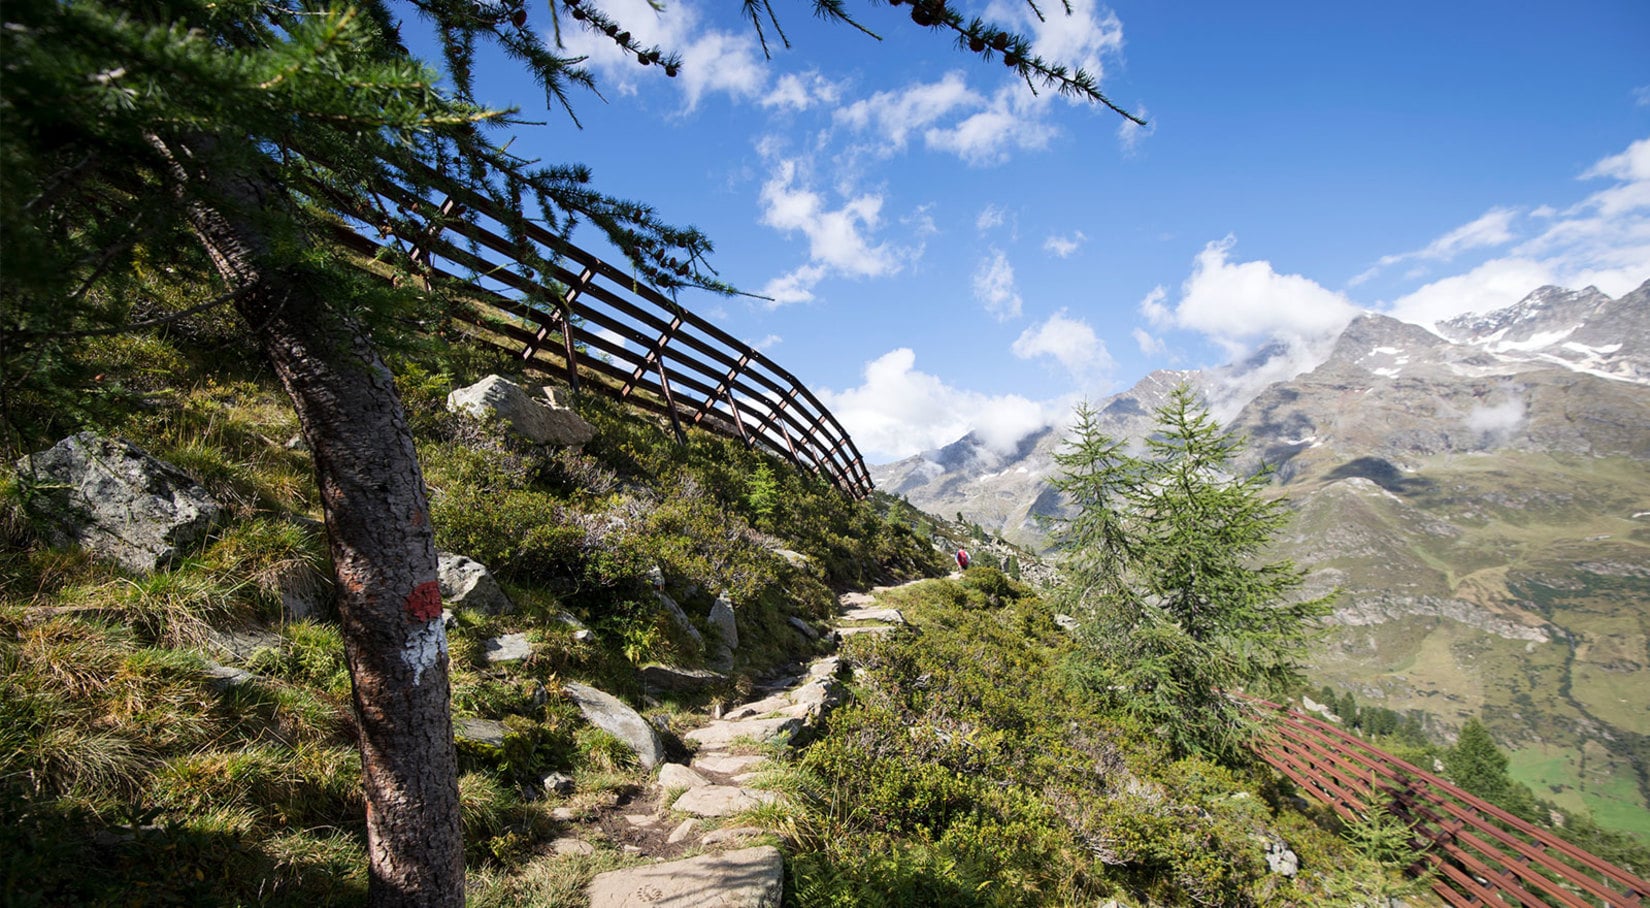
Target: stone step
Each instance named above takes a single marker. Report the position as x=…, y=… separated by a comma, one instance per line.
x=721, y=800
x=747, y=878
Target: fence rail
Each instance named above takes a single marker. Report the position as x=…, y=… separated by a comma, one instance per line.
x=575, y=315
x=1478, y=853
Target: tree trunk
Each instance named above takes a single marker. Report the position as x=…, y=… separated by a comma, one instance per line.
x=383, y=549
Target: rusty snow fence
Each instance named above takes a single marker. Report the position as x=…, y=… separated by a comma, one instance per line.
x=564, y=311
x=1476, y=853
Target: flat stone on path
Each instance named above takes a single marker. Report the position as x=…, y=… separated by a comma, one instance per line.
x=721, y=800
x=508, y=648
x=728, y=764
x=747, y=878
x=719, y=735
x=855, y=600
x=885, y=615
x=675, y=775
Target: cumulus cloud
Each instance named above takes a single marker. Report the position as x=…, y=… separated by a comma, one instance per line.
x=1149, y=345
x=768, y=343
x=1641, y=96
x=1070, y=342
x=1063, y=246
x=990, y=217
x=801, y=92
x=895, y=115
x=1011, y=121
x=1085, y=37
x=994, y=286
x=712, y=61
x=839, y=238
x=1236, y=304
x=899, y=410
x=794, y=287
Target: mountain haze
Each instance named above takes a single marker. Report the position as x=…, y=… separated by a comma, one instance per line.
x=1480, y=494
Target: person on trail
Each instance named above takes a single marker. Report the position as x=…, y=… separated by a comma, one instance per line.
x=962, y=559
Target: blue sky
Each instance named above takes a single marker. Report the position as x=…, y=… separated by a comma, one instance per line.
x=947, y=252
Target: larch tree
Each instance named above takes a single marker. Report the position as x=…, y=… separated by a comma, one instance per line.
x=217, y=140
x=1168, y=564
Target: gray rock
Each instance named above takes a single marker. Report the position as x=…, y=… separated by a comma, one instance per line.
x=803, y=627
x=1280, y=859
x=794, y=559
x=117, y=502
x=611, y=715
x=482, y=731
x=727, y=763
x=567, y=845
x=224, y=677
x=721, y=800
x=1067, y=623
x=731, y=834
x=467, y=583
x=532, y=419
x=675, y=775
x=682, y=831
x=671, y=679
x=726, y=624
x=557, y=783
x=508, y=648
x=747, y=878
x=304, y=591
x=679, y=618
x=718, y=735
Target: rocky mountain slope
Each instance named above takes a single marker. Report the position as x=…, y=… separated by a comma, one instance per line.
x=1481, y=496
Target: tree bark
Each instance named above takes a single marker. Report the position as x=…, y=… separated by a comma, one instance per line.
x=382, y=545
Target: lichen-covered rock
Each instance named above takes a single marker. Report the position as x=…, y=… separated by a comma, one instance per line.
x=117, y=502
x=675, y=680
x=610, y=714
x=533, y=419
x=467, y=583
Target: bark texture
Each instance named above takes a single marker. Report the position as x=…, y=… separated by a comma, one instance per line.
x=383, y=549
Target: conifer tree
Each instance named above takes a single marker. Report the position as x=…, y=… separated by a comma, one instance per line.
x=212, y=142
x=1477, y=765
x=1167, y=564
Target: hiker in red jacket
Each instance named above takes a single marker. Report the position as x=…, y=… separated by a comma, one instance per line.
x=962, y=559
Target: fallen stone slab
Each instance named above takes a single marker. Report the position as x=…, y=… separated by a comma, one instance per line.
x=610, y=714
x=726, y=764
x=721, y=734
x=508, y=648
x=802, y=627
x=886, y=615
x=747, y=878
x=482, y=731
x=675, y=775
x=571, y=846
x=671, y=679
x=682, y=831
x=731, y=834
x=721, y=800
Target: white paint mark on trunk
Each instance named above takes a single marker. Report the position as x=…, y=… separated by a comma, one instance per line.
x=424, y=648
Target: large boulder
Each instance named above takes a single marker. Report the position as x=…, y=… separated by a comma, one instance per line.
x=467, y=583
x=610, y=714
x=117, y=502
x=726, y=624
x=536, y=420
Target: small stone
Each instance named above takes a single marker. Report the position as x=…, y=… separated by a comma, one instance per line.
x=675, y=775
x=557, y=783
x=563, y=814
x=572, y=847
x=721, y=800
x=731, y=834
x=641, y=820
x=682, y=831
x=482, y=731
x=508, y=648
x=803, y=628
x=467, y=583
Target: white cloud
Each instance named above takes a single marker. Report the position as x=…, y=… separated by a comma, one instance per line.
x=801, y=92
x=1130, y=134
x=896, y=115
x=1071, y=343
x=1602, y=241
x=1641, y=96
x=1236, y=303
x=1063, y=246
x=768, y=343
x=795, y=287
x=838, y=238
x=990, y=216
x=1010, y=122
x=712, y=61
x=1497, y=419
x=994, y=286
x=1150, y=346
x=899, y=411
x=1492, y=228
x=1085, y=37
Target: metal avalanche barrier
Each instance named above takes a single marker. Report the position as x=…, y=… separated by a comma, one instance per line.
x=1478, y=854
x=573, y=314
